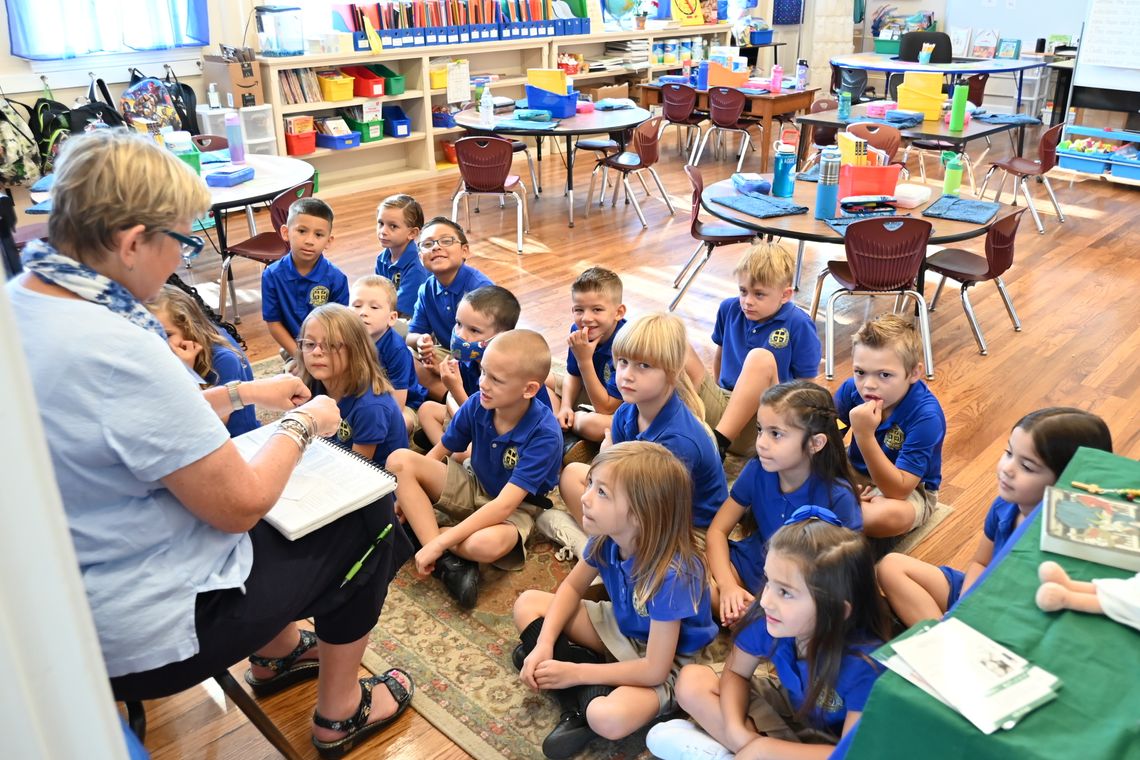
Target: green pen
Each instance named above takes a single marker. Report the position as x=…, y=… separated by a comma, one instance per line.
x=352, y=571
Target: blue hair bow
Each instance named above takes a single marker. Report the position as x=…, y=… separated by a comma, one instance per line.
x=810, y=511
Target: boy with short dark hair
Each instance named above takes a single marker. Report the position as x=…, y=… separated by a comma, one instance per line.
x=515, y=457
x=304, y=279
x=897, y=426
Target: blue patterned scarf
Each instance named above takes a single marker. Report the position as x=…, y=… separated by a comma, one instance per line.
x=51, y=265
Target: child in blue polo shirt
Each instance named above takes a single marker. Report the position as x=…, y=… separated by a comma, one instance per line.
x=1039, y=448
x=516, y=447
x=762, y=338
x=399, y=219
x=817, y=622
x=296, y=284
x=659, y=405
x=443, y=250
x=897, y=427
x=637, y=511
x=374, y=298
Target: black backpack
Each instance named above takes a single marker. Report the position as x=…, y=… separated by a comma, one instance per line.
x=95, y=113
x=181, y=96
x=51, y=125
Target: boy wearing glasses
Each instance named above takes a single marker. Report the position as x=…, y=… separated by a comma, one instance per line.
x=443, y=250
x=294, y=285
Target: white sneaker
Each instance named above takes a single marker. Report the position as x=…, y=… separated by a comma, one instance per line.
x=559, y=525
x=681, y=740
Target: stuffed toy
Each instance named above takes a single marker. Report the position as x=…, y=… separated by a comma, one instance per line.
x=1118, y=598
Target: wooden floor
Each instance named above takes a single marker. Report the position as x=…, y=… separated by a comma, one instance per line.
x=1075, y=288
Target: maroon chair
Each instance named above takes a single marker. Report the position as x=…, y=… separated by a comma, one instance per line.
x=264, y=247
x=679, y=108
x=882, y=137
x=821, y=137
x=708, y=236
x=206, y=143
x=1023, y=168
x=646, y=142
x=485, y=168
x=970, y=268
x=884, y=258
x=726, y=105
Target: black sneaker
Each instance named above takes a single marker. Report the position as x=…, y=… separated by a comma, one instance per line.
x=460, y=577
x=519, y=655
x=575, y=449
x=569, y=737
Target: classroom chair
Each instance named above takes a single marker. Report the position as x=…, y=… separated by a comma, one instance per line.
x=679, y=109
x=264, y=247
x=708, y=236
x=853, y=81
x=485, y=169
x=726, y=105
x=970, y=268
x=1023, y=168
x=646, y=141
x=884, y=257
x=882, y=137
x=910, y=45
x=821, y=137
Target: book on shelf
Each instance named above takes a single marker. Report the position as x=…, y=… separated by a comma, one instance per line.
x=327, y=483
x=1008, y=48
x=332, y=125
x=985, y=43
x=1094, y=527
x=960, y=41
x=296, y=125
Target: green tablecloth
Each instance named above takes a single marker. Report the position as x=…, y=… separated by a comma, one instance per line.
x=1097, y=712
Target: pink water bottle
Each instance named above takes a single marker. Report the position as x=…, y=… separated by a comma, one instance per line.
x=777, y=79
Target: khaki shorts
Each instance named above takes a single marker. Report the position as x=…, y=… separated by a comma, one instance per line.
x=624, y=649
x=923, y=502
x=401, y=327
x=462, y=495
x=771, y=711
x=715, y=400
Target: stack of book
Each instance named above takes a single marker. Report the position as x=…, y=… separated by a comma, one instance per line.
x=968, y=672
x=299, y=86
x=604, y=63
x=634, y=54
x=331, y=125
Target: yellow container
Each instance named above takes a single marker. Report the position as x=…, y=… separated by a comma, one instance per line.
x=914, y=100
x=923, y=82
x=438, y=78
x=337, y=87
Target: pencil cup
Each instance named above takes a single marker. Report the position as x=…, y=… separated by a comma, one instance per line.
x=924, y=57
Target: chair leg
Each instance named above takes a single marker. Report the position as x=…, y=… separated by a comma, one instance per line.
x=708, y=248
x=970, y=172
x=818, y=293
x=223, y=283
x=519, y=220
x=938, y=292
x=924, y=331
x=1008, y=304
x=525, y=210
x=1053, y=197
x=590, y=194
x=829, y=334
x=689, y=263
x=1001, y=186
x=922, y=165
x=533, y=174
x=698, y=141
x=974, y=326
x=641, y=179
x=460, y=192
x=631, y=197
x=259, y=719
x=799, y=265
x=745, y=141
x=986, y=181
x=605, y=185
x=661, y=188
x=1024, y=183
x=701, y=148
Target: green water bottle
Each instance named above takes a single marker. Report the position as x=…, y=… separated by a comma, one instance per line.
x=952, y=181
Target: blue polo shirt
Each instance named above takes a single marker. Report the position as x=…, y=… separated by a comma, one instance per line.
x=231, y=364
x=371, y=418
x=288, y=297
x=407, y=275
x=789, y=334
x=1001, y=522
x=677, y=429
x=603, y=361
x=759, y=491
x=857, y=674
x=911, y=436
x=435, y=306
x=684, y=596
x=398, y=363
x=528, y=456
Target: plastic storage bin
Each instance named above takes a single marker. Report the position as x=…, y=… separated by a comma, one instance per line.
x=868, y=180
x=300, y=144
x=366, y=83
x=396, y=122
x=914, y=100
x=338, y=142
x=393, y=82
x=438, y=78
x=212, y=121
x=261, y=147
x=1126, y=170
x=560, y=106
x=1085, y=162
x=334, y=88
x=760, y=37
x=370, y=131
x=257, y=122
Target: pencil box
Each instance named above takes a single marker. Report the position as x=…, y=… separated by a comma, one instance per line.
x=229, y=177
x=865, y=204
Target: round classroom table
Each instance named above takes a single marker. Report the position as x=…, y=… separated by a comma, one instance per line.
x=597, y=122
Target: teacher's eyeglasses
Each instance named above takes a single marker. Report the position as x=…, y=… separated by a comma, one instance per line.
x=192, y=245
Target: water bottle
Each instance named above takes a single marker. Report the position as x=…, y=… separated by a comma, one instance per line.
x=777, y=79
x=235, y=139
x=784, y=171
x=827, y=190
x=844, y=105
x=803, y=74
x=953, y=178
x=487, y=108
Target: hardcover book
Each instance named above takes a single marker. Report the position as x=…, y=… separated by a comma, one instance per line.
x=985, y=43
x=1007, y=48
x=1094, y=527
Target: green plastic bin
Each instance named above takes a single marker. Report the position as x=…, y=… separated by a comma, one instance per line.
x=393, y=82
x=370, y=131
x=892, y=46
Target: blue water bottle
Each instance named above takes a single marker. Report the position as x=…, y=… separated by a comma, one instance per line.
x=827, y=190
x=844, y=105
x=784, y=171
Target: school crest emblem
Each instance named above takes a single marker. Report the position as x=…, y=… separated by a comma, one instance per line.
x=779, y=338
x=319, y=296
x=510, y=457
x=344, y=432
x=396, y=278
x=894, y=438
x=607, y=372
x=829, y=701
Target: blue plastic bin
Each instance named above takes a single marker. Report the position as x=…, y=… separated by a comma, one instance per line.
x=760, y=37
x=560, y=106
x=338, y=142
x=1126, y=170
x=1089, y=162
x=396, y=122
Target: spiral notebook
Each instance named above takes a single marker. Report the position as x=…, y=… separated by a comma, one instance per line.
x=327, y=483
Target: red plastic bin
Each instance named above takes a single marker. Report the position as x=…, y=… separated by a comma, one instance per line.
x=366, y=84
x=301, y=143
x=868, y=180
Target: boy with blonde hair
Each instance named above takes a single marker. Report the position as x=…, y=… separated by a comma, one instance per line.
x=897, y=426
x=762, y=339
x=515, y=457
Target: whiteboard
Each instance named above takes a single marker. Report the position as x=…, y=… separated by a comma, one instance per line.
x=1109, y=57
x=1024, y=20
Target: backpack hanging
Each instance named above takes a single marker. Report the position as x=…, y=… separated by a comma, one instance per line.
x=19, y=154
x=50, y=125
x=148, y=98
x=185, y=101
x=96, y=112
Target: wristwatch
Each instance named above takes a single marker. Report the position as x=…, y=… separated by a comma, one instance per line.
x=235, y=397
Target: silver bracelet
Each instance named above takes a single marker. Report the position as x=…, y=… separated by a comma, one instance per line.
x=297, y=427
x=309, y=420
x=291, y=435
